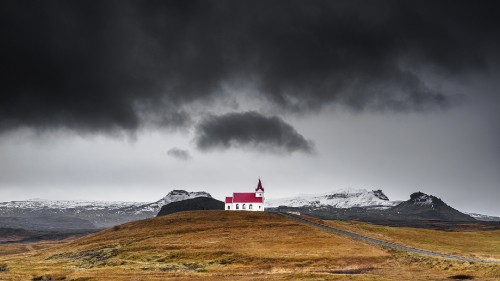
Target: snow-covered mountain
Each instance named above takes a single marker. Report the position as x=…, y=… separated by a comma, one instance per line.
x=343, y=198
x=425, y=206
x=173, y=196
x=98, y=213
x=480, y=217
x=37, y=204
x=371, y=206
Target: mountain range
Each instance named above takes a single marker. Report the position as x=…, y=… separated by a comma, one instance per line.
x=45, y=214
x=373, y=206
x=343, y=198
x=37, y=214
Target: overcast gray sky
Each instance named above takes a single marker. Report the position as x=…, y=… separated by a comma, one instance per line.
x=129, y=100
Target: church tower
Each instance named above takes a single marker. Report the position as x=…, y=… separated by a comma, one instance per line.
x=259, y=191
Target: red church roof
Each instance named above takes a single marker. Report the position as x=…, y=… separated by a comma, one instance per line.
x=229, y=199
x=246, y=197
x=259, y=186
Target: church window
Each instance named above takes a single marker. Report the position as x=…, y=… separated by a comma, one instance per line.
x=243, y=207
x=250, y=206
x=237, y=206
x=229, y=207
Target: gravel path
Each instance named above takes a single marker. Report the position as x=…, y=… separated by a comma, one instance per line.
x=383, y=243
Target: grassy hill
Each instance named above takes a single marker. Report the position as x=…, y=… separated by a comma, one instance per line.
x=220, y=245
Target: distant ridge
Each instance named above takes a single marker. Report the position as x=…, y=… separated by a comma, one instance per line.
x=343, y=198
x=423, y=206
x=340, y=204
x=480, y=217
x=195, y=204
x=173, y=196
x=374, y=206
x=42, y=213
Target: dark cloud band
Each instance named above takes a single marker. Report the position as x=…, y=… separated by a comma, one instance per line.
x=114, y=65
x=250, y=130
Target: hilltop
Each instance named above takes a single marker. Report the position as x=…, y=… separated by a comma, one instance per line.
x=213, y=245
x=424, y=206
x=199, y=203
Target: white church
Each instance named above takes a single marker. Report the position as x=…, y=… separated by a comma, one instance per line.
x=246, y=201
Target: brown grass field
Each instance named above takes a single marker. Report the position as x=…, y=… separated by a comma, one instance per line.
x=483, y=244
x=220, y=245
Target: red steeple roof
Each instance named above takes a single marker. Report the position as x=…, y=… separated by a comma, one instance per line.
x=259, y=186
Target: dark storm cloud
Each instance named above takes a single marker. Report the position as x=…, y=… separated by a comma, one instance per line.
x=249, y=129
x=105, y=65
x=178, y=153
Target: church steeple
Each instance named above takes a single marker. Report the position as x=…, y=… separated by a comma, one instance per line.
x=259, y=191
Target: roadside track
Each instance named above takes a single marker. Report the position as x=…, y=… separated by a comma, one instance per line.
x=380, y=242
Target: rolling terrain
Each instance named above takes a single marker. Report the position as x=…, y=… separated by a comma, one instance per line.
x=471, y=240
x=215, y=245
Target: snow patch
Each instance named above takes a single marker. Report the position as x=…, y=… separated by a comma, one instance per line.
x=116, y=206
x=342, y=198
x=67, y=204
x=483, y=217
x=422, y=199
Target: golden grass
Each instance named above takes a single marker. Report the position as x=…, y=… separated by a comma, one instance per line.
x=220, y=245
x=484, y=244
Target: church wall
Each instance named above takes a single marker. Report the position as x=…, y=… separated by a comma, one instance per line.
x=255, y=207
